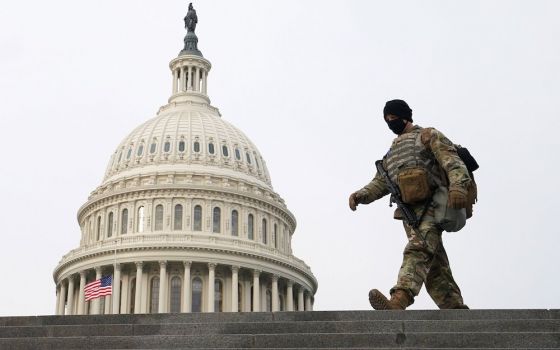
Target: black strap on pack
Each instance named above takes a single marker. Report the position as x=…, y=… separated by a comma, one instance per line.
x=467, y=158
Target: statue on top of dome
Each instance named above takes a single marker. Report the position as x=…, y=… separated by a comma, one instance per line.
x=191, y=19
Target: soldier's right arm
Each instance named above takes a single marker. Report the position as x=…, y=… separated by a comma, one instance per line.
x=375, y=189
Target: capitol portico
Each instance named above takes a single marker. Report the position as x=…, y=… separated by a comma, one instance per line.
x=186, y=218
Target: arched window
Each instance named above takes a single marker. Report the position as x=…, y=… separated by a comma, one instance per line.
x=129, y=153
x=124, y=221
x=268, y=300
x=197, y=218
x=98, y=227
x=196, y=295
x=234, y=223
x=196, y=146
x=257, y=161
x=166, y=146
x=153, y=148
x=158, y=225
x=175, y=294
x=248, y=157
x=250, y=228
x=218, y=296
x=154, y=295
x=264, y=232
x=181, y=146
x=120, y=157
x=140, y=150
x=225, y=151
x=140, y=220
x=178, y=218
x=216, y=220
x=132, y=296
x=275, y=238
x=110, y=225
x=211, y=148
x=237, y=154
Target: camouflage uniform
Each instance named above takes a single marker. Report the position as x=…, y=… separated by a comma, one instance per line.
x=425, y=259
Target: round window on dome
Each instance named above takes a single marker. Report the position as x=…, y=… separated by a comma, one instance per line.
x=181, y=146
x=140, y=151
x=211, y=148
x=166, y=146
x=153, y=148
x=237, y=154
x=196, y=146
x=225, y=151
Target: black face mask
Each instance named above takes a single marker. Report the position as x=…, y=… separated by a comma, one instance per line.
x=397, y=125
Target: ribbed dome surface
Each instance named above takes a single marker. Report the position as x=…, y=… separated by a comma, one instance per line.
x=183, y=139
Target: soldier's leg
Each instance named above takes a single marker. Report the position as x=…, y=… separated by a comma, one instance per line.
x=440, y=283
x=418, y=256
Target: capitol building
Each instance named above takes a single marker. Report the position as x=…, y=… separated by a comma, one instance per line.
x=186, y=218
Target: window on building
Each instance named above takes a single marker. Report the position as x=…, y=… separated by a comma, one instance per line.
x=181, y=146
x=158, y=224
x=98, y=228
x=234, y=223
x=225, y=151
x=264, y=232
x=218, y=295
x=211, y=148
x=257, y=162
x=153, y=148
x=196, y=295
x=110, y=225
x=124, y=221
x=140, y=220
x=120, y=157
x=154, y=295
x=196, y=146
x=275, y=237
x=167, y=146
x=197, y=218
x=250, y=228
x=129, y=153
x=237, y=154
x=175, y=294
x=140, y=150
x=216, y=220
x=248, y=157
x=178, y=218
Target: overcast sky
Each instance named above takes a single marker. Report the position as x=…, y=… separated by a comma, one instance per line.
x=306, y=81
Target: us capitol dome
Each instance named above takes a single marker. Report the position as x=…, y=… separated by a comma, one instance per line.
x=186, y=218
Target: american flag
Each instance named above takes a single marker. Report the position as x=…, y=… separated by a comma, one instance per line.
x=99, y=288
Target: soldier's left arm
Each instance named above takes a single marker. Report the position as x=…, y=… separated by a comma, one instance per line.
x=447, y=157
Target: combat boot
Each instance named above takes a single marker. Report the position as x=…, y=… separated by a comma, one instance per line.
x=399, y=300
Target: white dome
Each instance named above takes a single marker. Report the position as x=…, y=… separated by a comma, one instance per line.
x=184, y=138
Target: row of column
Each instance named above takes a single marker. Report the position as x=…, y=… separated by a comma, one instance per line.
x=65, y=293
x=190, y=78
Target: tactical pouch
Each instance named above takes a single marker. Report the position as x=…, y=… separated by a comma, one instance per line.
x=449, y=219
x=414, y=185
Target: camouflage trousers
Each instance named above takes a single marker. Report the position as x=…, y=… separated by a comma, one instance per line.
x=425, y=261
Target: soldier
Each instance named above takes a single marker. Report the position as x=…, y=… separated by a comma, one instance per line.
x=419, y=161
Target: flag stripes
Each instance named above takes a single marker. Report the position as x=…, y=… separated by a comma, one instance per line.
x=99, y=288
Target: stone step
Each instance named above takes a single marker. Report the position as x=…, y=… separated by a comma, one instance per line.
x=283, y=316
x=460, y=340
x=283, y=327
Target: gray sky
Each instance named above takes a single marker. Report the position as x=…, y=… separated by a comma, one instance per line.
x=306, y=81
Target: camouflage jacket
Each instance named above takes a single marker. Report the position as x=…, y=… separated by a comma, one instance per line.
x=444, y=153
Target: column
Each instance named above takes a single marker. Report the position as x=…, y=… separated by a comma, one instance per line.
x=62, y=298
x=197, y=79
x=57, y=308
x=256, y=291
x=301, y=306
x=307, y=302
x=204, y=82
x=187, y=287
x=81, y=295
x=162, y=287
x=290, y=296
x=116, y=288
x=137, y=301
x=275, y=301
x=211, y=277
x=95, y=304
x=234, y=288
x=189, y=79
x=174, y=74
x=124, y=294
x=70, y=308
x=182, y=80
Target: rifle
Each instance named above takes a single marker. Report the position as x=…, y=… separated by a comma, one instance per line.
x=409, y=214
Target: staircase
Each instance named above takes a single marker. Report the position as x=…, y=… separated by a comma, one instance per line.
x=433, y=329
